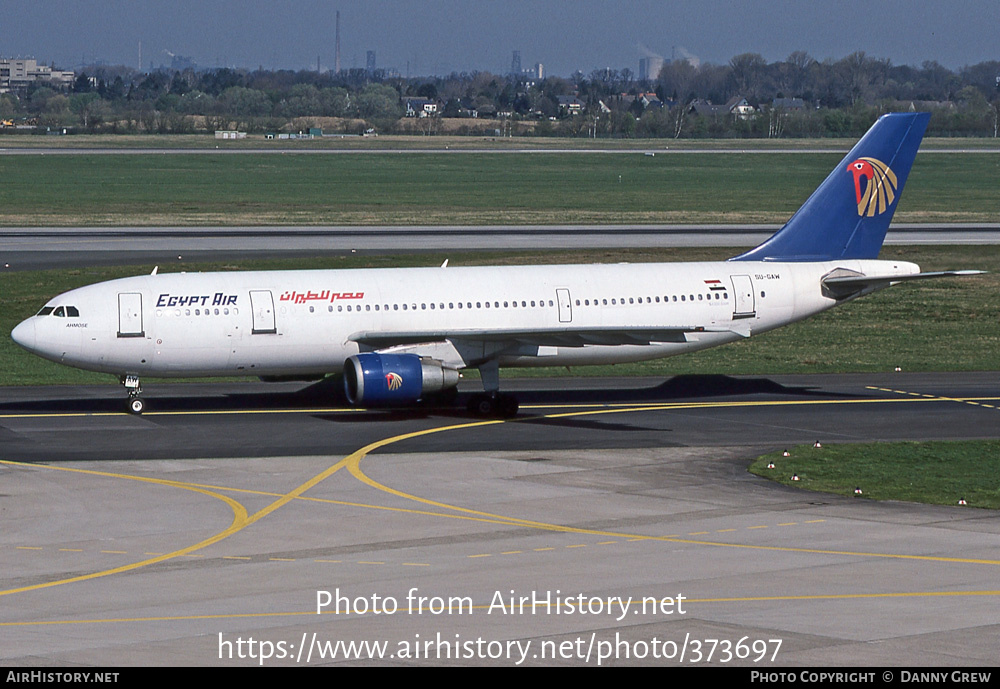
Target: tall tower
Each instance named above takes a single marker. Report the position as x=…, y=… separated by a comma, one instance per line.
x=370, y=61
x=515, y=63
x=336, y=63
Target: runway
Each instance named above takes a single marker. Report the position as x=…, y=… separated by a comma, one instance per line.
x=227, y=510
x=28, y=248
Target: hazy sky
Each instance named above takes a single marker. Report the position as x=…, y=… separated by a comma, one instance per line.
x=440, y=36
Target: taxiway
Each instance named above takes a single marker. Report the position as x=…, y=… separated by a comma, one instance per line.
x=221, y=515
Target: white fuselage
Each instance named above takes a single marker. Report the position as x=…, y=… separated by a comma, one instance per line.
x=290, y=323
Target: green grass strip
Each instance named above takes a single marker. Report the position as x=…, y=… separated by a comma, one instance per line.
x=938, y=473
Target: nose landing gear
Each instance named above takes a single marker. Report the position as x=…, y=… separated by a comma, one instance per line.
x=136, y=405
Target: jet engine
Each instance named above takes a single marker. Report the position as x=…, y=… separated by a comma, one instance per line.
x=373, y=378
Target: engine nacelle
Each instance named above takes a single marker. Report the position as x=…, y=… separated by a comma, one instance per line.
x=372, y=378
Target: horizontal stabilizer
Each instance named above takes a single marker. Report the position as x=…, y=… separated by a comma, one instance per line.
x=850, y=285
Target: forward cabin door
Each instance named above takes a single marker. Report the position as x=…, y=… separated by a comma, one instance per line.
x=262, y=305
x=130, y=315
x=743, y=306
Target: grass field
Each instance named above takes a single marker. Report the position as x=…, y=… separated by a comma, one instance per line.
x=935, y=325
x=443, y=142
x=434, y=189
x=931, y=472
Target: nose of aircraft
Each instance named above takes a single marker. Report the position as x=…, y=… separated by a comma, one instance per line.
x=24, y=334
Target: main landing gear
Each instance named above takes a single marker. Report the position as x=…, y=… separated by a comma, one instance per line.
x=492, y=403
x=136, y=405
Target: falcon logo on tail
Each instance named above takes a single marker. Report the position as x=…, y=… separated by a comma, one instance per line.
x=880, y=187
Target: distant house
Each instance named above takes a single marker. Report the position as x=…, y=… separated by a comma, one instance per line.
x=650, y=100
x=571, y=105
x=420, y=107
x=704, y=108
x=736, y=107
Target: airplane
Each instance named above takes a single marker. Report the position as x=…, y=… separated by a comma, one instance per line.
x=399, y=335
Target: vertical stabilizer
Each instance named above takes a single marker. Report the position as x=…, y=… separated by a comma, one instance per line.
x=849, y=214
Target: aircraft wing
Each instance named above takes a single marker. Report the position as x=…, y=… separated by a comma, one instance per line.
x=548, y=337
x=850, y=285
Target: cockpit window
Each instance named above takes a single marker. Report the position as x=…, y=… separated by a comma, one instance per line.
x=60, y=311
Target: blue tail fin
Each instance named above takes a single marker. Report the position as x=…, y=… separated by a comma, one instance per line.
x=849, y=214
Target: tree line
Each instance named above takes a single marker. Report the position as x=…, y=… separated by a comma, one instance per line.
x=831, y=98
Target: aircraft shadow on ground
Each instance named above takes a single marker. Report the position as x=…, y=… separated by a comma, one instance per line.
x=328, y=392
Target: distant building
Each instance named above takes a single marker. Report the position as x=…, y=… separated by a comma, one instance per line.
x=515, y=63
x=182, y=62
x=788, y=104
x=737, y=107
x=18, y=74
x=649, y=68
x=370, y=61
x=571, y=105
x=420, y=107
x=650, y=100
